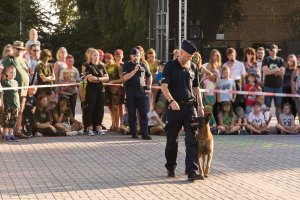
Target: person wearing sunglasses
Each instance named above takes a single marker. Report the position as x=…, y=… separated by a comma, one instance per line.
x=251, y=64
x=33, y=58
x=22, y=77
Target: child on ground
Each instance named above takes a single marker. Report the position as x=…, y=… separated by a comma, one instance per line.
x=256, y=120
x=43, y=119
x=264, y=109
x=251, y=86
x=241, y=120
x=11, y=105
x=63, y=117
x=287, y=121
x=226, y=120
x=212, y=120
x=155, y=124
x=28, y=113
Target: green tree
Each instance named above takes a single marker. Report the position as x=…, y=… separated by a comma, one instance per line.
x=12, y=12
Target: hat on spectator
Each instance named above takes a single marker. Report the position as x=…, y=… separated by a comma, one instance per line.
x=19, y=45
x=135, y=51
x=188, y=46
x=252, y=74
x=273, y=46
x=118, y=52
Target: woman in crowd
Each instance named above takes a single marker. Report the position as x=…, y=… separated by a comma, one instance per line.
x=61, y=62
x=251, y=65
x=113, y=94
x=289, y=75
x=214, y=66
x=119, y=55
x=45, y=73
x=96, y=75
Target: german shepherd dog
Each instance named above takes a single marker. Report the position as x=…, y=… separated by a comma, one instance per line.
x=205, y=143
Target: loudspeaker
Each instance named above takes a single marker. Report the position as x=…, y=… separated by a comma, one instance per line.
x=194, y=29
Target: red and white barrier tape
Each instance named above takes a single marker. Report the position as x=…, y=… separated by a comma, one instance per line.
x=158, y=87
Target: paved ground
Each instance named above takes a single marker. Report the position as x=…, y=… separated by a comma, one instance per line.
x=118, y=167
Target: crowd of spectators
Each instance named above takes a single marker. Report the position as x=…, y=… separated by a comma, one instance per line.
x=50, y=111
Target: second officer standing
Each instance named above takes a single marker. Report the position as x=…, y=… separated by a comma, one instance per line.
x=137, y=80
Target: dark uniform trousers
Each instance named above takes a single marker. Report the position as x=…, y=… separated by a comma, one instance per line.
x=137, y=99
x=177, y=119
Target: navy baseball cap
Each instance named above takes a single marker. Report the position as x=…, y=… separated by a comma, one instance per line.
x=135, y=51
x=188, y=46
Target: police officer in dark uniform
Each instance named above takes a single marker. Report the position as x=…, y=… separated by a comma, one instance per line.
x=180, y=86
x=137, y=79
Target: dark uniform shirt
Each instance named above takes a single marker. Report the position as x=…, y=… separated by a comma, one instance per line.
x=138, y=80
x=273, y=81
x=181, y=80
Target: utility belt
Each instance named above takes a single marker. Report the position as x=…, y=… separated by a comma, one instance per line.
x=187, y=103
x=135, y=88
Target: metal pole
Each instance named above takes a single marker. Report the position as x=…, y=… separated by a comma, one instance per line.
x=167, y=31
x=182, y=21
x=21, y=20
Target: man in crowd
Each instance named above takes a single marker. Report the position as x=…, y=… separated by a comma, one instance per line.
x=273, y=70
x=260, y=54
x=180, y=86
x=22, y=77
x=237, y=73
x=33, y=59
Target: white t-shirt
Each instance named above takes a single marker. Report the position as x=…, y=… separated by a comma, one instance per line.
x=256, y=120
x=287, y=119
x=150, y=115
x=209, y=85
x=226, y=85
x=237, y=70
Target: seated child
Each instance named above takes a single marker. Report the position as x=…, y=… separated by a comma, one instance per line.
x=256, y=120
x=212, y=120
x=226, y=120
x=241, y=120
x=287, y=121
x=43, y=119
x=155, y=124
x=28, y=113
x=63, y=117
x=264, y=109
x=251, y=86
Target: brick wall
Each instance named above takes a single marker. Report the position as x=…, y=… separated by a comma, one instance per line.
x=266, y=21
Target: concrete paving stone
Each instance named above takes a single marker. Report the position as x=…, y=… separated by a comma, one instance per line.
x=116, y=167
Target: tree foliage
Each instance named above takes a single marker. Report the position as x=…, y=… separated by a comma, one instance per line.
x=12, y=12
